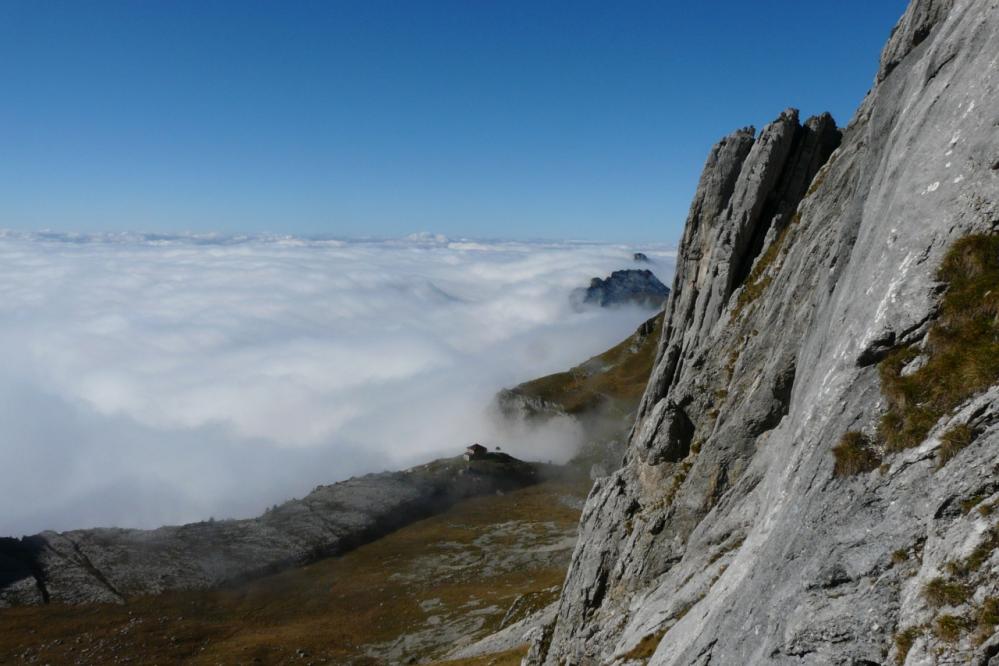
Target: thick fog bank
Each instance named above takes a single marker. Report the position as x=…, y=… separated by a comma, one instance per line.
x=153, y=379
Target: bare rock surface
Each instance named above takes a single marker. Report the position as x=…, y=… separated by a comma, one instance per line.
x=110, y=564
x=726, y=538
x=507, y=638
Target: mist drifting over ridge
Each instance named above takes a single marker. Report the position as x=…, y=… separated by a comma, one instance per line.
x=155, y=379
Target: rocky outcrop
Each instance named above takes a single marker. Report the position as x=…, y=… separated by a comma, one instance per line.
x=627, y=287
x=727, y=538
x=509, y=637
x=111, y=565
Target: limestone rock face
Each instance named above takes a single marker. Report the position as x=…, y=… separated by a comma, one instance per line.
x=725, y=538
x=110, y=565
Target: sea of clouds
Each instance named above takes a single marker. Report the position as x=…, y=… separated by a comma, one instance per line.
x=152, y=379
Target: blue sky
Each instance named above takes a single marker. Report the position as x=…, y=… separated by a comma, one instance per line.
x=526, y=119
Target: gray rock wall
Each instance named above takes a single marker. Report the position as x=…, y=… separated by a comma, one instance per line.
x=725, y=538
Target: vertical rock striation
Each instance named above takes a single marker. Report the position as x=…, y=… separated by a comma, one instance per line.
x=726, y=538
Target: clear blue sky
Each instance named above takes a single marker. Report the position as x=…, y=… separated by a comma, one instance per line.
x=510, y=118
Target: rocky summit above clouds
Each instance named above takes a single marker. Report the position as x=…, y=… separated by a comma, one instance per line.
x=811, y=478
x=624, y=287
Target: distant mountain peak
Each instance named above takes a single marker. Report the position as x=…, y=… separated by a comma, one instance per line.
x=624, y=287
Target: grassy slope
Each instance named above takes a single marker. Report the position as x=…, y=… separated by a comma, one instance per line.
x=465, y=566
x=613, y=381
x=961, y=350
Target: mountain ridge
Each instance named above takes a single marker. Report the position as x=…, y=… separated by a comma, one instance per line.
x=102, y=565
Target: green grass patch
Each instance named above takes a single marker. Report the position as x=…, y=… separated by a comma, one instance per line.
x=854, y=455
x=962, y=346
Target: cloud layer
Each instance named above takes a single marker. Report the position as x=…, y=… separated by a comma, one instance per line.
x=159, y=379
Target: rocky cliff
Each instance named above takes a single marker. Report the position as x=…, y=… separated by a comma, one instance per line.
x=812, y=474
x=111, y=565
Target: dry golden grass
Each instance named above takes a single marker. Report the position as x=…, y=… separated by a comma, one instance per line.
x=646, y=647
x=941, y=592
x=903, y=643
x=619, y=388
x=970, y=503
x=982, y=552
x=952, y=441
x=329, y=610
x=962, y=346
x=988, y=616
x=759, y=279
x=949, y=628
x=854, y=455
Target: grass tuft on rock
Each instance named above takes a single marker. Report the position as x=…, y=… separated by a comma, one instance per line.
x=981, y=554
x=903, y=643
x=952, y=441
x=646, y=647
x=983, y=551
x=949, y=628
x=988, y=615
x=970, y=503
x=854, y=455
x=759, y=279
x=679, y=476
x=941, y=592
x=961, y=350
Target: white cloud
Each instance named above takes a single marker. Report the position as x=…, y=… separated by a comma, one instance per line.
x=152, y=379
